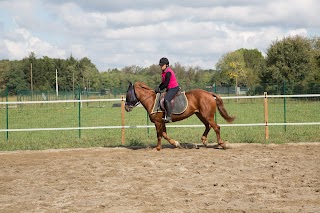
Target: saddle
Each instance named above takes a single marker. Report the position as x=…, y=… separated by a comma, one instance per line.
x=179, y=103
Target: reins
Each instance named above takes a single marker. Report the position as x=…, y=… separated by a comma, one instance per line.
x=148, y=96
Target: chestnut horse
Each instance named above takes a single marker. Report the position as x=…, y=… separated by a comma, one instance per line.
x=200, y=102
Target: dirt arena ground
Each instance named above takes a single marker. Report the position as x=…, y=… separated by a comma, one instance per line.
x=243, y=178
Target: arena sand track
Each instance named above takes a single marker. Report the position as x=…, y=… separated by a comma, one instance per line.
x=243, y=178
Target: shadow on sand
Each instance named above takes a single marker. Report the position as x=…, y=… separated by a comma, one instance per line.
x=169, y=146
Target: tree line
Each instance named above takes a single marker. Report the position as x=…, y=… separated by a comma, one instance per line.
x=294, y=60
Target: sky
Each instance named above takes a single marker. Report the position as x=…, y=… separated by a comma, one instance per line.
x=120, y=33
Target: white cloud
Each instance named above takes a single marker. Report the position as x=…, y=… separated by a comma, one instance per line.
x=21, y=42
x=123, y=33
x=81, y=20
x=78, y=51
x=302, y=32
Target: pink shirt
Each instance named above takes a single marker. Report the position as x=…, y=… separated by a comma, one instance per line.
x=173, y=80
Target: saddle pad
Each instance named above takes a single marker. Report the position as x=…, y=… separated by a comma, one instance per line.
x=180, y=104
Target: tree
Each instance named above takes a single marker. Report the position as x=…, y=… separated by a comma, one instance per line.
x=289, y=60
x=90, y=74
x=152, y=75
x=315, y=42
x=255, y=64
x=232, y=66
x=4, y=69
x=15, y=78
x=47, y=79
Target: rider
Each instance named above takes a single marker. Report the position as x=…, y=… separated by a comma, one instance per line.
x=170, y=83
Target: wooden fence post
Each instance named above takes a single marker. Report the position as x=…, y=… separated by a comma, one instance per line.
x=266, y=116
x=122, y=121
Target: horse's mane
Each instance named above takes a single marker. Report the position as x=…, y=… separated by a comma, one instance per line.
x=142, y=85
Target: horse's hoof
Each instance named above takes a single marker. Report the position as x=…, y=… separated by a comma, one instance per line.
x=204, y=141
x=158, y=148
x=178, y=145
x=223, y=146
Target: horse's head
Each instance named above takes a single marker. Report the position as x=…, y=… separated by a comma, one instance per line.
x=131, y=98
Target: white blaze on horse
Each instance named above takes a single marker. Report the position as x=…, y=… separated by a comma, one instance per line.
x=199, y=102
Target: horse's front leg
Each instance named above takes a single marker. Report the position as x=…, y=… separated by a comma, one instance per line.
x=159, y=129
x=171, y=141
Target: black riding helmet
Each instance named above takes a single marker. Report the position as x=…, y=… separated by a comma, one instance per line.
x=163, y=61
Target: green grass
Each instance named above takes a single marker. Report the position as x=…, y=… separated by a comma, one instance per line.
x=103, y=114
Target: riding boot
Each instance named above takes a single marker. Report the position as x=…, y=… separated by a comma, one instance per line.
x=168, y=106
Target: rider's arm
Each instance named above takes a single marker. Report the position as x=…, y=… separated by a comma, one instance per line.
x=165, y=84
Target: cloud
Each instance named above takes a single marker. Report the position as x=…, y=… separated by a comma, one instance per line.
x=79, y=19
x=20, y=42
x=115, y=34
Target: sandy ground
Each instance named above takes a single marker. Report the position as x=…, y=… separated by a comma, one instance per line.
x=243, y=178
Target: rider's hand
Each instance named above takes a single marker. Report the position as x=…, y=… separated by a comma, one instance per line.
x=157, y=90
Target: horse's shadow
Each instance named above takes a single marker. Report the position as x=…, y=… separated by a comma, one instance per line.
x=169, y=146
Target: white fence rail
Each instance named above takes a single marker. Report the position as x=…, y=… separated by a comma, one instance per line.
x=152, y=126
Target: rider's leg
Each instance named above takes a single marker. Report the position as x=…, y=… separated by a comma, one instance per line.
x=168, y=106
x=167, y=103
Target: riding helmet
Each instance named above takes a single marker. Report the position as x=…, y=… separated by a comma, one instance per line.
x=163, y=61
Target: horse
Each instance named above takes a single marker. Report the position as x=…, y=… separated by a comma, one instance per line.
x=200, y=102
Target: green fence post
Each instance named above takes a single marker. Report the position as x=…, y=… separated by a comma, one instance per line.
x=87, y=92
x=215, y=91
x=284, y=106
x=79, y=112
x=66, y=97
x=7, y=113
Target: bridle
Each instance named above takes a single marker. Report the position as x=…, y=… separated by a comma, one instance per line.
x=131, y=98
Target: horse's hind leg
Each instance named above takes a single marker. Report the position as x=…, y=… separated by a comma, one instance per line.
x=171, y=141
x=204, y=137
x=216, y=128
x=209, y=122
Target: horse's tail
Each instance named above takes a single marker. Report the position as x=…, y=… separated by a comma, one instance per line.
x=223, y=112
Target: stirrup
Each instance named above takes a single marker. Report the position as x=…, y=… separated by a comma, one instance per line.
x=167, y=119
